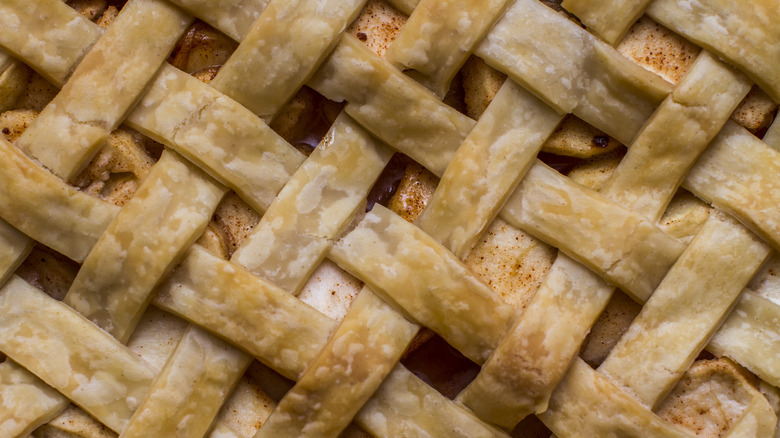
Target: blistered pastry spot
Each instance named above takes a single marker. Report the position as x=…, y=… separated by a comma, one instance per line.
x=511, y=262
x=658, y=49
x=610, y=326
x=709, y=399
x=576, y=138
x=755, y=112
x=200, y=48
x=49, y=271
x=480, y=85
x=377, y=25
x=414, y=191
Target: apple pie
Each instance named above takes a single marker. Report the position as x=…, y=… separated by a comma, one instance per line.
x=401, y=218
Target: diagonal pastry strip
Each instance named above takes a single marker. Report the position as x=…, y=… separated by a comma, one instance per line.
x=608, y=19
x=234, y=18
x=81, y=217
x=301, y=34
x=409, y=268
x=745, y=37
x=49, y=36
x=201, y=369
x=104, y=87
x=314, y=207
x=81, y=361
x=572, y=70
x=670, y=142
x=737, y=155
x=287, y=334
x=246, y=155
x=456, y=27
x=391, y=105
x=751, y=336
x=599, y=407
x=146, y=238
x=686, y=309
x=625, y=248
x=675, y=323
x=27, y=401
x=494, y=157
x=364, y=348
x=14, y=247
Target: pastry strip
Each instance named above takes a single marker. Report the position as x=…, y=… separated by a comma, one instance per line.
x=104, y=86
x=439, y=37
x=751, y=335
x=186, y=396
x=608, y=19
x=494, y=157
x=572, y=70
x=676, y=134
x=745, y=36
x=261, y=318
x=407, y=266
x=737, y=155
x=246, y=155
x=27, y=401
x=69, y=353
x=282, y=50
x=54, y=44
x=625, y=248
x=149, y=235
x=233, y=17
x=356, y=359
x=314, y=207
x=80, y=218
x=598, y=407
x=524, y=370
x=406, y=406
x=391, y=105
x=686, y=309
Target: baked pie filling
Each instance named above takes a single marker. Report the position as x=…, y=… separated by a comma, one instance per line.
x=520, y=218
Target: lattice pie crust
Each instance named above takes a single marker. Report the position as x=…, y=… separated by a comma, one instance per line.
x=210, y=273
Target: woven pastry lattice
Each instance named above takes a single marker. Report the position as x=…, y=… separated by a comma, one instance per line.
x=217, y=139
